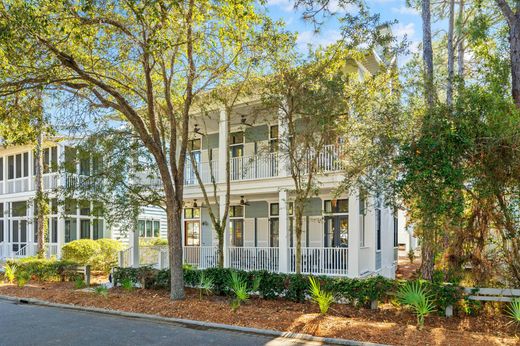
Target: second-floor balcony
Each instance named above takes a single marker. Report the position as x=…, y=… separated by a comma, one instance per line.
x=28, y=184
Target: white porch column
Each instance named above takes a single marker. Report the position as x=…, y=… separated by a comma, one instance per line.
x=30, y=227
x=223, y=150
x=283, y=145
x=134, y=243
x=61, y=228
x=227, y=235
x=353, y=235
x=283, y=232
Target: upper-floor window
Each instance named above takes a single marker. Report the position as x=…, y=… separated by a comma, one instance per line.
x=149, y=228
x=19, y=209
x=236, y=144
x=18, y=166
x=236, y=211
x=191, y=213
x=273, y=138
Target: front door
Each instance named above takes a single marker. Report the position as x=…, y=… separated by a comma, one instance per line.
x=18, y=234
x=336, y=231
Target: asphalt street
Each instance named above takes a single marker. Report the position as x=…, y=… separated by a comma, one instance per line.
x=22, y=324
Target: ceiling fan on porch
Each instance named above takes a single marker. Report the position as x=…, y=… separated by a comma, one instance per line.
x=243, y=201
x=196, y=129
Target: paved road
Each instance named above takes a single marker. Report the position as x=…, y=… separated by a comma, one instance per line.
x=22, y=324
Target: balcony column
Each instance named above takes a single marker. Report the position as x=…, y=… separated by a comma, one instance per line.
x=223, y=150
x=227, y=235
x=353, y=235
x=283, y=145
x=283, y=232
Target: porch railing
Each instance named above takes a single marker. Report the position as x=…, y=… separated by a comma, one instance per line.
x=18, y=185
x=254, y=167
x=22, y=252
x=206, y=170
x=201, y=256
x=254, y=258
x=321, y=260
x=3, y=250
x=125, y=258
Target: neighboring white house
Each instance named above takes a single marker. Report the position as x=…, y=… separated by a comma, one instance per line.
x=71, y=220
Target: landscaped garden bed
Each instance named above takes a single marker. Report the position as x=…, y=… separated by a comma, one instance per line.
x=388, y=324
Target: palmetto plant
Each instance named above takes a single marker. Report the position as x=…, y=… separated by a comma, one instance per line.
x=22, y=278
x=238, y=286
x=513, y=310
x=10, y=273
x=206, y=285
x=413, y=295
x=323, y=298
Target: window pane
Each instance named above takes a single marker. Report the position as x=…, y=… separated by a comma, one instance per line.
x=237, y=137
x=149, y=229
x=1, y=210
x=97, y=229
x=275, y=232
x=275, y=211
x=342, y=206
x=46, y=160
x=19, y=208
x=23, y=231
x=10, y=167
x=141, y=228
x=70, y=206
x=19, y=165
x=1, y=231
x=70, y=160
x=85, y=229
x=84, y=207
x=328, y=206
x=343, y=231
x=196, y=212
x=1, y=168
x=273, y=133
x=54, y=159
x=26, y=164
x=156, y=228
x=54, y=232
x=54, y=206
x=188, y=213
x=70, y=230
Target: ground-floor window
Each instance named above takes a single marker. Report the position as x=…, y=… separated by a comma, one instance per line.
x=236, y=228
x=71, y=229
x=336, y=223
x=97, y=229
x=192, y=233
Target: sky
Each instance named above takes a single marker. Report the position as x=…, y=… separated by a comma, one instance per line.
x=409, y=22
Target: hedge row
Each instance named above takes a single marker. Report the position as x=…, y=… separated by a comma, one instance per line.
x=44, y=269
x=294, y=287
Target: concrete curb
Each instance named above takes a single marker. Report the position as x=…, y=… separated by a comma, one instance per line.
x=192, y=323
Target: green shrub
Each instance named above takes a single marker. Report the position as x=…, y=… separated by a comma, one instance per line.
x=322, y=297
x=127, y=284
x=272, y=285
x=102, y=291
x=82, y=251
x=22, y=277
x=296, y=287
x=79, y=283
x=415, y=296
x=10, y=272
x=106, y=258
x=44, y=269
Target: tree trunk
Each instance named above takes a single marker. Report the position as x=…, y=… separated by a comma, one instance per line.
x=220, y=234
x=40, y=197
x=514, y=42
x=460, y=45
x=173, y=214
x=451, y=55
x=298, y=230
x=428, y=261
x=428, y=53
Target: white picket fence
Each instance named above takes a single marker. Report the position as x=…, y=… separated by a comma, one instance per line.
x=254, y=258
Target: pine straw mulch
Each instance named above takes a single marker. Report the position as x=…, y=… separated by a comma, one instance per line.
x=387, y=325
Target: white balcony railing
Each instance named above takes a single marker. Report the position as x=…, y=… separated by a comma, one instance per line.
x=201, y=256
x=206, y=171
x=321, y=261
x=18, y=185
x=254, y=258
x=254, y=167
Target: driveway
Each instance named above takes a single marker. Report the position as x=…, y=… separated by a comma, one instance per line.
x=22, y=324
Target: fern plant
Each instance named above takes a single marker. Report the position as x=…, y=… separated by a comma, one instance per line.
x=10, y=273
x=205, y=285
x=323, y=298
x=513, y=310
x=127, y=284
x=416, y=297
